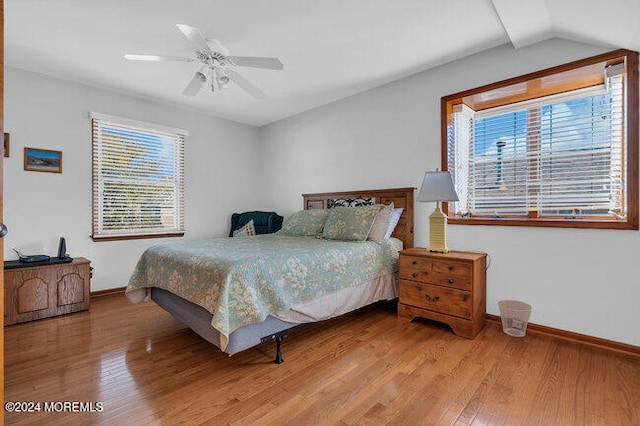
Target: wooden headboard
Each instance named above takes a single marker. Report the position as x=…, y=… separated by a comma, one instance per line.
x=400, y=197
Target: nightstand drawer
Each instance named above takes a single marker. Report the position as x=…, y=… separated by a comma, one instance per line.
x=435, y=298
x=415, y=268
x=460, y=269
x=461, y=282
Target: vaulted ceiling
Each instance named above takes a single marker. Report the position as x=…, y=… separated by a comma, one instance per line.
x=331, y=49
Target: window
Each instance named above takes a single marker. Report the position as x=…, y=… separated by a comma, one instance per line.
x=138, y=179
x=554, y=148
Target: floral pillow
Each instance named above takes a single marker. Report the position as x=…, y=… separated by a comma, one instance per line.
x=304, y=223
x=247, y=230
x=350, y=223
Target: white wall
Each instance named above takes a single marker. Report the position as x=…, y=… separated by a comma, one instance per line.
x=585, y=281
x=222, y=166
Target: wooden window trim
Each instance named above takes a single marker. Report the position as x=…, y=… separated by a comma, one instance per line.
x=136, y=237
x=543, y=222
x=630, y=128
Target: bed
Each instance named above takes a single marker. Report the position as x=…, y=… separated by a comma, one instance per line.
x=260, y=292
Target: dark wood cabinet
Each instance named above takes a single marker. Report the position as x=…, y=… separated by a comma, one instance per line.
x=43, y=291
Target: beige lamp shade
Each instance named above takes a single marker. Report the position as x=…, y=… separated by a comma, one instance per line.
x=437, y=186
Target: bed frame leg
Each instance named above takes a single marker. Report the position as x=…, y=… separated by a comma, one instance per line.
x=278, y=359
x=278, y=336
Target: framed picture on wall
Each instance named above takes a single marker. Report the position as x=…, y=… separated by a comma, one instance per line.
x=42, y=160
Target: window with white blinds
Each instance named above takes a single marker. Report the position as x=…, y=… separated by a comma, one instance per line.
x=559, y=157
x=138, y=179
x=563, y=156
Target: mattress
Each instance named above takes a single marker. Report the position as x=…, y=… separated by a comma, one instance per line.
x=328, y=306
x=241, y=281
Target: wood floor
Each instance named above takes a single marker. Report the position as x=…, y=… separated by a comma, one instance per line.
x=364, y=368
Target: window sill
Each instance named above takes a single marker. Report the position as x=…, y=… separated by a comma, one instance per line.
x=544, y=222
x=134, y=237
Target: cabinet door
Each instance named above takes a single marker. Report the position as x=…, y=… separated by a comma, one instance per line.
x=28, y=294
x=33, y=295
x=70, y=289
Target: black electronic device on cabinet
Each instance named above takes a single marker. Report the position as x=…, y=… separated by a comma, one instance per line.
x=62, y=248
x=39, y=259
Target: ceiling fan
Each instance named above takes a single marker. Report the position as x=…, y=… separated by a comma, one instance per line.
x=217, y=65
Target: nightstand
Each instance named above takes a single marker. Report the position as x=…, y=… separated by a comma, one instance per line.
x=445, y=287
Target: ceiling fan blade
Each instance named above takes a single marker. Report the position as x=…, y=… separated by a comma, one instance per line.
x=196, y=37
x=257, y=62
x=156, y=58
x=217, y=46
x=195, y=84
x=245, y=84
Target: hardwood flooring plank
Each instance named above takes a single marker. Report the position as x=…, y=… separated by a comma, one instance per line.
x=524, y=362
x=364, y=368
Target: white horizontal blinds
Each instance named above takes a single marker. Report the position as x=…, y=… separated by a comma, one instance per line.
x=459, y=163
x=561, y=155
x=138, y=180
x=499, y=164
x=577, y=156
x=618, y=169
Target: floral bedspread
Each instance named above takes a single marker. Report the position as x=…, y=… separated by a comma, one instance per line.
x=241, y=280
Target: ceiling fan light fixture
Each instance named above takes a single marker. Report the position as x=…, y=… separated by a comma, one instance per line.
x=223, y=82
x=216, y=63
x=221, y=77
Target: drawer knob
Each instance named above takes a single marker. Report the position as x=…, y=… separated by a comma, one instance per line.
x=451, y=268
x=414, y=275
x=415, y=262
x=432, y=299
x=450, y=281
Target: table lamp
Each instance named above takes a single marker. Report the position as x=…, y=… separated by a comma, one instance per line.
x=437, y=186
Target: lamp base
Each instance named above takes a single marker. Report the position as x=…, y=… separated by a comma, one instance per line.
x=438, y=231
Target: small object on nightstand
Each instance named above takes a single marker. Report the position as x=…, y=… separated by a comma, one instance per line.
x=446, y=287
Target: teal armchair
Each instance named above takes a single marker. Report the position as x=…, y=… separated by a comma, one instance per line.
x=263, y=222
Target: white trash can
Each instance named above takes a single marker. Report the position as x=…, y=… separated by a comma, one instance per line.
x=515, y=316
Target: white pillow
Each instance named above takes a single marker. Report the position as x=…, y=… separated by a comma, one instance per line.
x=394, y=218
x=247, y=230
x=380, y=224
